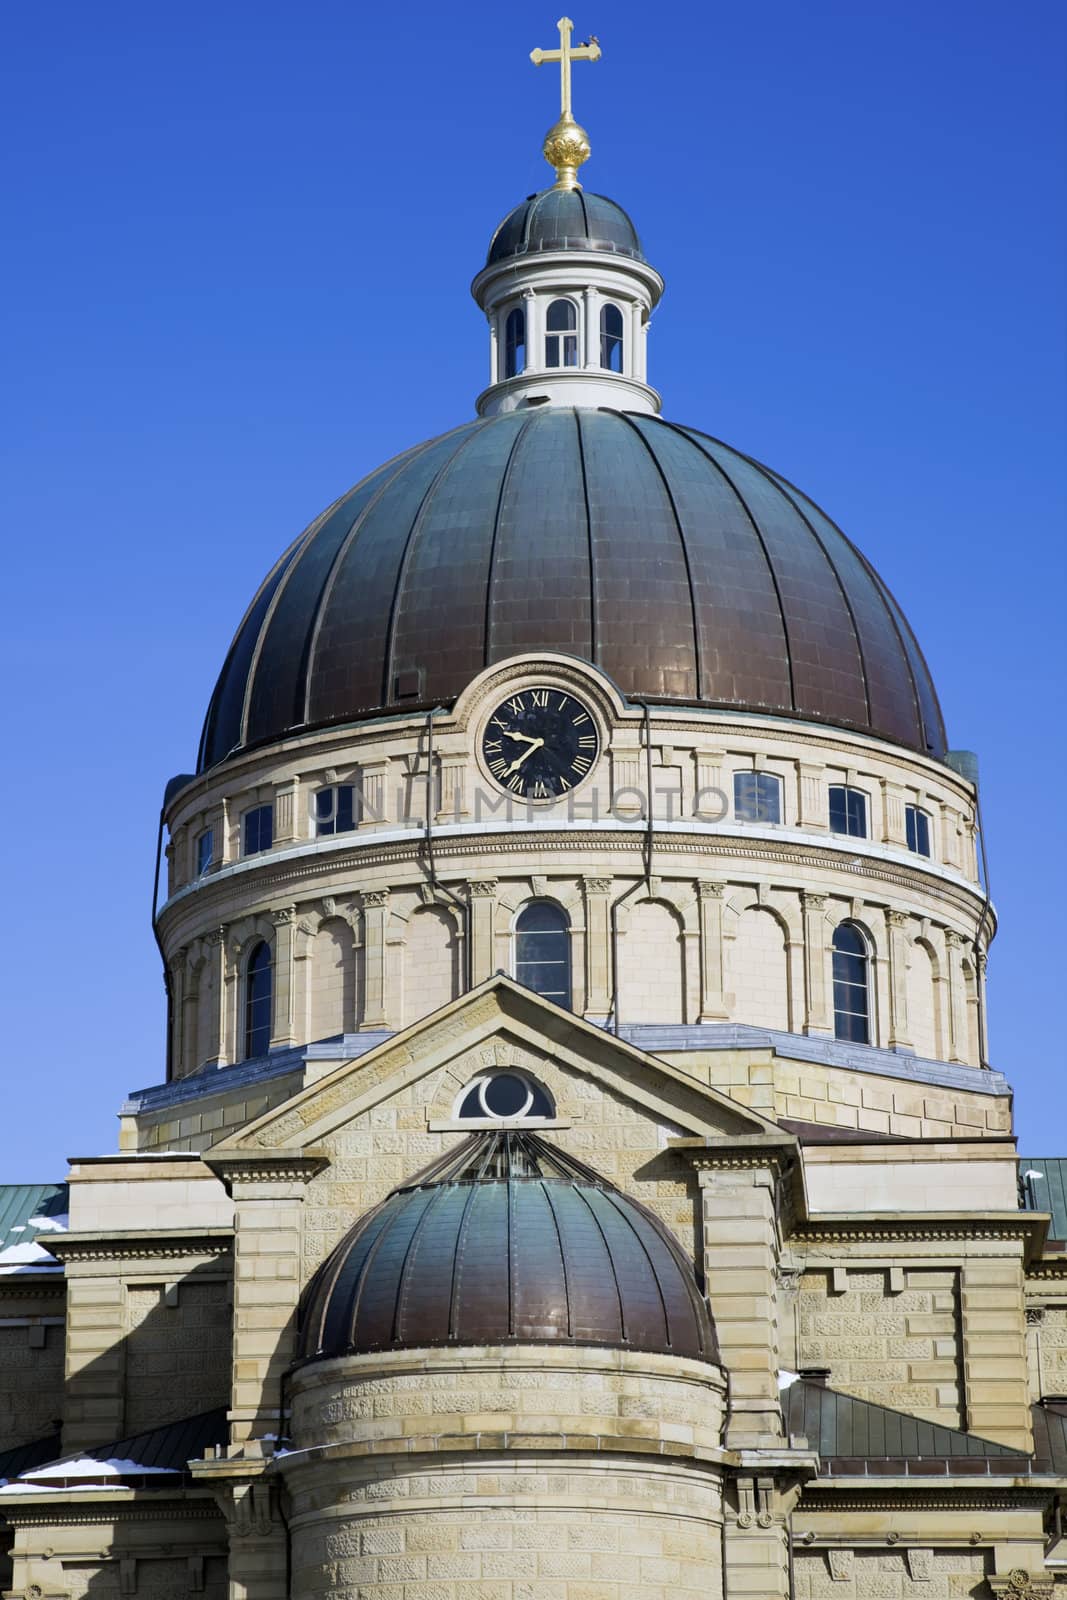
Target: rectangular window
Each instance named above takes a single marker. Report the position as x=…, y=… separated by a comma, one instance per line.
x=335, y=809
x=258, y=830
x=757, y=797
x=848, y=811
x=917, y=824
x=205, y=851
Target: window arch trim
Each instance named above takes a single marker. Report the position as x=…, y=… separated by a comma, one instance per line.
x=499, y=1088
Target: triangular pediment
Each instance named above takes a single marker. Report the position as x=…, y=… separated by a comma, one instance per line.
x=492, y=1022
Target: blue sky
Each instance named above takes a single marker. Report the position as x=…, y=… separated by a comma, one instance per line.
x=240, y=238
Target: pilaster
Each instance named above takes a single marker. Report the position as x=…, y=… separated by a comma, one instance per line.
x=739, y=1182
x=899, y=1031
x=957, y=998
x=597, y=947
x=818, y=1017
x=268, y=1194
x=712, y=976
x=483, y=919
x=993, y=1327
x=283, y=1022
x=375, y=922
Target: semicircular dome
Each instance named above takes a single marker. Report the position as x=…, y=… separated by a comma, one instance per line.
x=684, y=570
x=565, y=219
x=506, y=1240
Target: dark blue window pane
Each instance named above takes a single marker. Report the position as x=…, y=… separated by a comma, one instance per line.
x=505, y=1095
x=851, y=994
x=611, y=338
x=848, y=811
x=857, y=814
x=918, y=830
x=205, y=850
x=561, y=345
x=471, y=1105
x=543, y=951
x=335, y=810
x=258, y=830
x=515, y=344
x=258, y=996
x=757, y=797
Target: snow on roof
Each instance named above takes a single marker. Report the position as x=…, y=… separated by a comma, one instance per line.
x=30, y=1257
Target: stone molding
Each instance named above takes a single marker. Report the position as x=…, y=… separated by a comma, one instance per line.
x=74, y=1247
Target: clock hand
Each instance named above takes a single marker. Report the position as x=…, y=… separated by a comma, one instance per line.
x=535, y=744
x=525, y=737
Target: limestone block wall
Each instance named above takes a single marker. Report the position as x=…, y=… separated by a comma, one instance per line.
x=626, y=1506
x=31, y=1370
x=890, y=1337
x=506, y=1528
x=813, y=1091
x=892, y=1574
x=177, y=1353
x=390, y=1139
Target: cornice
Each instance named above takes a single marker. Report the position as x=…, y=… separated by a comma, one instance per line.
x=930, y=1227
x=175, y=1503
x=278, y=877
x=164, y=1243
x=249, y=1167
x=916, y=1494
x=21, y=1285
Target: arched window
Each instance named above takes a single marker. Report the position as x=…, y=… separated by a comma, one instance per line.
x=543, y=951
x=515, y=343
x=611, y=338
x=259, y=988
x=561, y=335
x=852, y=1000
x=507, y=1094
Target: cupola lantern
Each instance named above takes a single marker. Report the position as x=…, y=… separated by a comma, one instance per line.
x=566, y=289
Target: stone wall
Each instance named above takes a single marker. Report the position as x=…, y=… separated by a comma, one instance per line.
x=873, y=1574
x=177, y=1352
x=514, y=1528
x=899, y=1347
x=31, y=1378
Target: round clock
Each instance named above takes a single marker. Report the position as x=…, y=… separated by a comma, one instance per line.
x=540, y=743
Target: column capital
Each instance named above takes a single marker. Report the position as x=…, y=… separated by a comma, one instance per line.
x=374, y=899
x=482, y=888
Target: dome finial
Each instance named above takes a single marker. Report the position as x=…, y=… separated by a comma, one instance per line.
x=566, y=144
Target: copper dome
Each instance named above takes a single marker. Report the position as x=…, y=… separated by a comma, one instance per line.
x=506, y=1240
x=684, y=570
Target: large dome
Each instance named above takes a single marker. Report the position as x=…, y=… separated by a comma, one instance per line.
x=684, y=570
x=506, y=1240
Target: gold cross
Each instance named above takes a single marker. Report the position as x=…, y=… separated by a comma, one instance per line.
x=590, y=51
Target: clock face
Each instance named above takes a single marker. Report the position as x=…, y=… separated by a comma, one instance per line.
x=540, y=743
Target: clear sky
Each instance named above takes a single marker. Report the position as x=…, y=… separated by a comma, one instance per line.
x=239, y=238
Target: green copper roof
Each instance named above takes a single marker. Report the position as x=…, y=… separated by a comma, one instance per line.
x=21, y=1201
x=1046, y=1189
x=848, y=1433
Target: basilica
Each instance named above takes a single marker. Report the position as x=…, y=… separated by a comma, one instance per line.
x=577, y=1171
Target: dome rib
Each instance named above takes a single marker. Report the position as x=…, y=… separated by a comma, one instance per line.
x=683, y=544
x=340, y=557
x=800, y=501
x=686, y=571
x=831, y=564
x=695, y=440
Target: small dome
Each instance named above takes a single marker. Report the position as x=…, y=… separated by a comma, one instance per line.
x=565, y=219
x=679, y=567
x=506, y=1240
